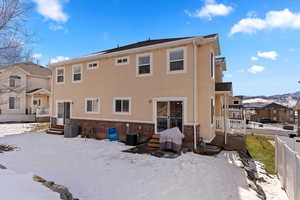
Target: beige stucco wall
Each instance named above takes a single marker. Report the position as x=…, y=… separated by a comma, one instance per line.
x=20, y=92
x=206, y=91
x=27, y=83
x=109, y=81
x=219, y=73
x=38, y=82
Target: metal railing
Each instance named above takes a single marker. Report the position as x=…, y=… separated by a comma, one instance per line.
x=232, y=125
x=42, y=112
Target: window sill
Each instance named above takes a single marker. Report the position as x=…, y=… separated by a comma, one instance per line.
x=121, y=113
x=176, y=72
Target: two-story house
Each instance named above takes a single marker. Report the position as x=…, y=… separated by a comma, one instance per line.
x=24, y=92
x=144, y=87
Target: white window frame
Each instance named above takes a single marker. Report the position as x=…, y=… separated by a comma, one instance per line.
x=92, y=99
x=114, y=105
x=56, y=75
x=81, y=73
x=137, y=64
x=17, y=82
x=184, y=60
x=16, y=106
x=213, y=65
x=39, y=100
x=91, y=68
x=118, y=64
x=212, y=120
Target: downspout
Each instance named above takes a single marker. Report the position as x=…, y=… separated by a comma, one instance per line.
x=52, y=97
x=225, y=118
x=195, y=107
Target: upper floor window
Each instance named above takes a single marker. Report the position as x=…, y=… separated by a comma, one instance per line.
x=14, y=81
x=122, y=105
x=92, y=105
x=122, y=61
x=236, y=102
x=76, y=73
x=144, y=62
x=176, y=60
x=93, y=65
x=14, y=103
x=212, y=65
x=60, y=75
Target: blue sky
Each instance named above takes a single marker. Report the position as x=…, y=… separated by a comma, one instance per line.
x=260, y=39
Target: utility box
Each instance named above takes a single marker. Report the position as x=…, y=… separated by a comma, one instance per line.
x=71, y=130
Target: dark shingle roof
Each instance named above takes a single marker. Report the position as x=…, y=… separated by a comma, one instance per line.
x=147, y=43
x=274, y=106
x=224, y=86
x=32, y=68
x=34, y=90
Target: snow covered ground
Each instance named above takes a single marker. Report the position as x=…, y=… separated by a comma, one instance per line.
x=13, y=129
x=15, y=186
x=95, y=170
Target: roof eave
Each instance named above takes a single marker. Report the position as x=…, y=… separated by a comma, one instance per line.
x=199, y=40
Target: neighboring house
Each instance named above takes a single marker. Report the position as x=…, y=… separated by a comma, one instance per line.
x=144, y=87
x=297, y=118
x=24, y=92
x=230, y=117
x=272, y=113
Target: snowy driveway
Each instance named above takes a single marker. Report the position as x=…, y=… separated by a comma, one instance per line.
x=98, y=170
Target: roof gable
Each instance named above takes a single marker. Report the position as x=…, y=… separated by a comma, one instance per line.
x=275, y=106
x=30, y=69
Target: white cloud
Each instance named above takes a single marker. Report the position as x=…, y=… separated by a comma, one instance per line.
x=211, y=9
x=52, y=9
x=36, y=56
x=58, y=59
x=56, y=27
x=254, y=58
x=268, y=55
x=273, y=19
x=255, y=69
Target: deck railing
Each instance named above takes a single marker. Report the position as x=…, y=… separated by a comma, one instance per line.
x=232, y=125
x=41, y=112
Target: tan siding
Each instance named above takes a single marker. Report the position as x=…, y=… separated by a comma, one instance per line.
x=206, y=90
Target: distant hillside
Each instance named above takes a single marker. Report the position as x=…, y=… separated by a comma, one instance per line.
x=289, y=99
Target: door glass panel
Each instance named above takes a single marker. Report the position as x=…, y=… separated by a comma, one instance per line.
x=60, y=110
x=67, y=110
x=176, y=114
x=162, y=109
x=162, y=116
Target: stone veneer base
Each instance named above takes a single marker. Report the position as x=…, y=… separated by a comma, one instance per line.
x=144, y=129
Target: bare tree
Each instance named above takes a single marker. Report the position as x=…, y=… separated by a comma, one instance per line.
x=13, y=34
